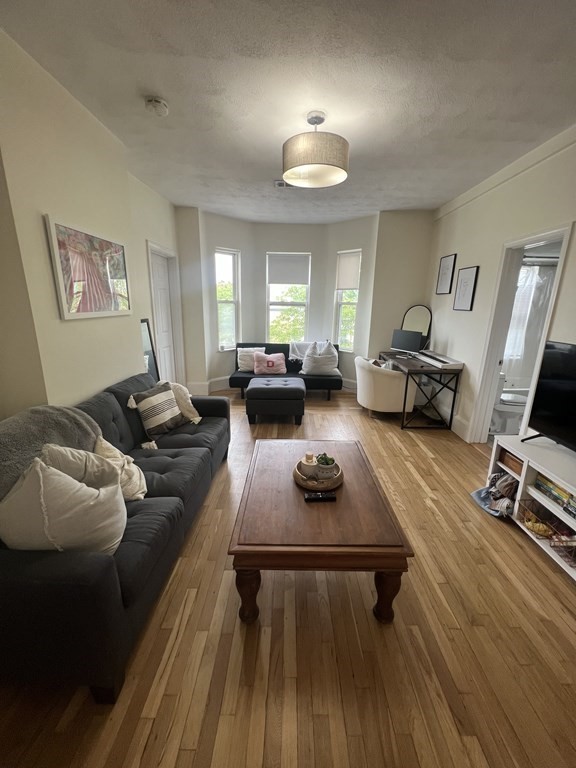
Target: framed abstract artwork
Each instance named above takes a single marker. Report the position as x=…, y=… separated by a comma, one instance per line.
x=466, y=288
x=90, y=273
x=446, y=274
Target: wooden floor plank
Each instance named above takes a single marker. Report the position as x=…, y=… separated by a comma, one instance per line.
x=478, y=669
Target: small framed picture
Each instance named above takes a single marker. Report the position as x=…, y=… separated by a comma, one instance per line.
x=465, y=288
x=446, y=274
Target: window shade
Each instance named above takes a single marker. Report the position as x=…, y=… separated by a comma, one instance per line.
x=348, y=273
x=289, y=268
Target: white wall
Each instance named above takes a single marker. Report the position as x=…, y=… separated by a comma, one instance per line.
x=254, y=241
x=60, y=160
x=534, y=195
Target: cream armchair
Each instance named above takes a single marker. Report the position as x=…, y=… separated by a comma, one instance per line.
x=382, y=389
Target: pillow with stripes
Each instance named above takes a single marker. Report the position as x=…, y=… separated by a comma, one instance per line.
x=158, y=410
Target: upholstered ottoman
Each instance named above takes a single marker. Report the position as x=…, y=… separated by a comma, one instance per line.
x=275, y=397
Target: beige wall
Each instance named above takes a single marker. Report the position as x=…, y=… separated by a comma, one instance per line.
x=59, y=160
x=21, y=379
x=401, y=272
x=535, y=195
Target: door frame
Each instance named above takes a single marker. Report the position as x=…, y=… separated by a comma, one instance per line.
x=500, y=315
x=154, y=249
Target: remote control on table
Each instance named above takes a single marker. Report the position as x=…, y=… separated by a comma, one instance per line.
x=319, y=496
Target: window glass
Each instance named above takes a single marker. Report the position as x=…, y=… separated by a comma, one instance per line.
x=226, y=263
x=288, y=301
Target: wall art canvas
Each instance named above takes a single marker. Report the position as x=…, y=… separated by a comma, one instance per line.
x=466, y=288
x=446, y=274
x=90, y=273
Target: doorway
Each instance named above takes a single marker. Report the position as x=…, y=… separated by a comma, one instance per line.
x=166, y=312
x=505, y=295
x=534, y=284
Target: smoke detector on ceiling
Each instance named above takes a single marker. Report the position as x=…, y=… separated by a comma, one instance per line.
x=156, y=105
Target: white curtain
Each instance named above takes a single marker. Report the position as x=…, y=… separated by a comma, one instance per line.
x=527, y=322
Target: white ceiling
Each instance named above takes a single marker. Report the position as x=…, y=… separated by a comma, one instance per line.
x=433, y=96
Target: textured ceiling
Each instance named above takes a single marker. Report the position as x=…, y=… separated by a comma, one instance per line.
x=432, y=96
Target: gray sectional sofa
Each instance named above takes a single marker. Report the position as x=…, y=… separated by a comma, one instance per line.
x=241, y=379
x=77, y=615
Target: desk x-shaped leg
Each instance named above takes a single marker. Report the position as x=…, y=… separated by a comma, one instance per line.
x=447, y=380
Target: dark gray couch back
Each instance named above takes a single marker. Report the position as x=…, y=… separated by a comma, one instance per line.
x=106, y=412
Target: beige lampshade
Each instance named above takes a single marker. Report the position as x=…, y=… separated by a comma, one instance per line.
x=315, y=159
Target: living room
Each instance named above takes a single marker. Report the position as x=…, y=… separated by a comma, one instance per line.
x=58, y=159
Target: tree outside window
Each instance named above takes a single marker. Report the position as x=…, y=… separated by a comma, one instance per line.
x=227, y=297
x=287, y=309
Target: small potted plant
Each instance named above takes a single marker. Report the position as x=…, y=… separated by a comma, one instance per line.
x=325, y=466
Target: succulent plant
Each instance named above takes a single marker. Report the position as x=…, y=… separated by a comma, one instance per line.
x=324, y=459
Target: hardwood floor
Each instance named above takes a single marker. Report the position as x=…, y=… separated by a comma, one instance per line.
x=478, y=669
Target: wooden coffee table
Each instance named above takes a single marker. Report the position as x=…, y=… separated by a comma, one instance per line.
x=277, y=530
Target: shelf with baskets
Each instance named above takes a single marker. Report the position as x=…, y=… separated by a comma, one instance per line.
x=545, y=506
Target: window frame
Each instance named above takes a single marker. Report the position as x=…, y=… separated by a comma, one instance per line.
x=339, y=302
x=235, y=301
x=270, y=304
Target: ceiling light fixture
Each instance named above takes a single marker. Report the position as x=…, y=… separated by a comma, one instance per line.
x=315, y=159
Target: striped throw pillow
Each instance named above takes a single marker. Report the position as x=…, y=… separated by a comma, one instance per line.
x=158, y=410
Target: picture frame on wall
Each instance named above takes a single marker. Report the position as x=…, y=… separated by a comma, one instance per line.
x=90, y=273
x=466, y=288
x=446, y=274
x=150, y=363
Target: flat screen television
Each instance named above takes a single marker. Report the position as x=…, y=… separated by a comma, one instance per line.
x=406, y=341
x=553, y=413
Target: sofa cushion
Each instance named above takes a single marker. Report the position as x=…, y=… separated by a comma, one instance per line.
x=173, y=471
x=105, y=409
x=151, y=524
x=122, y=391
x=269, y=364
x=158, y=409
x=245, y=357
x=48, y=509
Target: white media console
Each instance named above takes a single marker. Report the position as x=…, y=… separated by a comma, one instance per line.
x=532, y=463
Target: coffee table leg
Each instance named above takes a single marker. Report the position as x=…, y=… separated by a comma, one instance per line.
x=387, y=587
x=248, y=584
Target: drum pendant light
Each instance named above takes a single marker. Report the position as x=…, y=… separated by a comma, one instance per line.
x=315, y=159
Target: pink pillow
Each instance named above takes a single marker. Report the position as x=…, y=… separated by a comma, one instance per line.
x=269, y=363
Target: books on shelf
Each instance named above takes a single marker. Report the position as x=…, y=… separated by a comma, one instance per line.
x=559, y=495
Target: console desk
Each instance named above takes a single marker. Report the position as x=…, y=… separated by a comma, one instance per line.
x=415, y=370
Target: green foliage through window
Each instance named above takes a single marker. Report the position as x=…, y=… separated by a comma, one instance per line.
x=287, y=313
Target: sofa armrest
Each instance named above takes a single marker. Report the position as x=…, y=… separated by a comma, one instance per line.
x=62, y=613
x=212, y=406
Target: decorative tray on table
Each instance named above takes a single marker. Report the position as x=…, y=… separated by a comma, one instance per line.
x=313, y=483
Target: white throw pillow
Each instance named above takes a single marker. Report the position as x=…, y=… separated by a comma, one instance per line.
x=89, y=467
x=246, y=357
x=132, y=480
x=83, y=466
x=184, y=402
x=321, y=359
x=47, y=509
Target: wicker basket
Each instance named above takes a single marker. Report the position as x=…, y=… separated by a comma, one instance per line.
x=312, y=484
x=544, y=525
